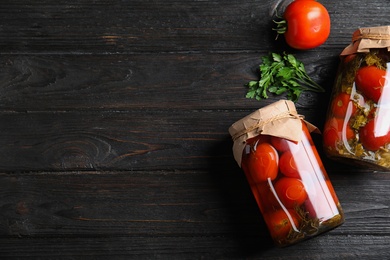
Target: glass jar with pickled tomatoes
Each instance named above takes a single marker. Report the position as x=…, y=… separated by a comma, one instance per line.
x=274, y=148
x=357, y=126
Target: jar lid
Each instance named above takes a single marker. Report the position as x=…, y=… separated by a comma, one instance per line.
x=368, y=38
x=279, y=119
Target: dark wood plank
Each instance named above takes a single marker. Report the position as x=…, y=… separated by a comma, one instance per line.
x=155, y=210
x=98, y=140
x=128, y=26
x=162, y=26
x=134, y=203
x=127, y=140
x=124, y=82
x=125, y=247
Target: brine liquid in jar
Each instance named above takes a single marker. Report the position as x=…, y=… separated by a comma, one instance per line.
x=357, y=126
x=291, y=187
x=288, y=180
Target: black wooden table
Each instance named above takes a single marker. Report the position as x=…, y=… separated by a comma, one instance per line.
x=114, y=143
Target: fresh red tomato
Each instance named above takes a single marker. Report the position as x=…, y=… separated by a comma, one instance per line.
x=263, y=162
x=342, y=104
x=372, y=137
x=370, y=81
x=280, y=223
x=291, y=192
x=306, y=24
x=336, y=131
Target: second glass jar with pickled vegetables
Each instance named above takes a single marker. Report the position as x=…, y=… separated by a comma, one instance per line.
x=274, y=148
x=357, y=127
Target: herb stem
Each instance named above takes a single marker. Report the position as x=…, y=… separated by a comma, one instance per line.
x=310, y=84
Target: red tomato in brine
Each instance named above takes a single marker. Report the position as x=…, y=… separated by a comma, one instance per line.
x=342, y=104
x=287, y=165
x=280, y=223
x=291, y=192
x=370, y=81
x=373, y=138
x=263, y=162
x=348, y=58
x=283, y=145
x=266, y=197
x=335, y=131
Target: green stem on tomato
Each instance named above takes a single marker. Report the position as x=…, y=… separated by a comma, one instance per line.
x=281, y=26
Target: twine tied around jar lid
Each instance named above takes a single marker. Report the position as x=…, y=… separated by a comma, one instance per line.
x=279, y=119
x=368, y=38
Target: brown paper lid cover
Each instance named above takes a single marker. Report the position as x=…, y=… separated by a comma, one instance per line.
x=368, y=38
x=279, y=119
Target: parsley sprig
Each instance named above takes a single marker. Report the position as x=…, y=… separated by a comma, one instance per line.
x=281, y=73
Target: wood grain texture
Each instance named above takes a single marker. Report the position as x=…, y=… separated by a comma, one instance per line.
x=113, y=131
x=163, y=26
x=195, y=247
x=158, y=82
x=118, y=140
x=157, y=209
x=117, y=203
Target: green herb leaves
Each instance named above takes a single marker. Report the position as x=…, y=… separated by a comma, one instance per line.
x=280, y=73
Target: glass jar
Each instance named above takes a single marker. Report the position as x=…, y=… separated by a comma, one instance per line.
x=274, y=148
x=357, y=126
